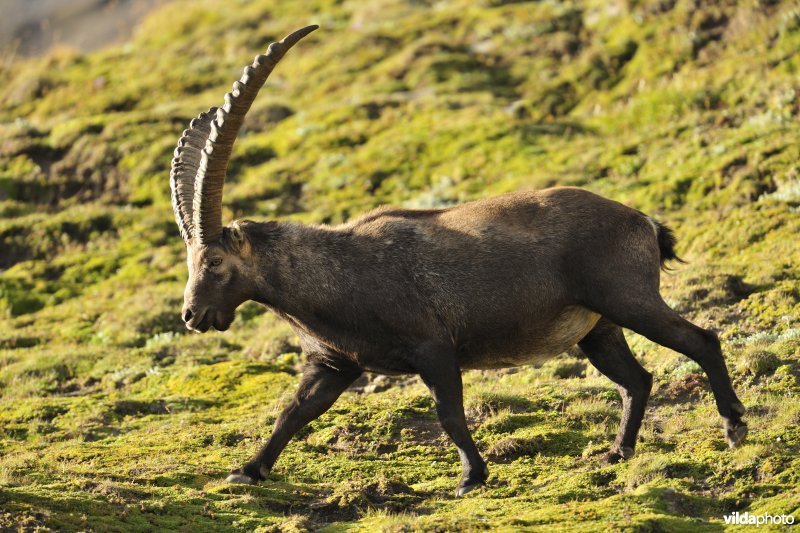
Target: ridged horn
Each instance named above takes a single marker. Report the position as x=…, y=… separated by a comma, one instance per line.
x=185, y=163
x=207, y=201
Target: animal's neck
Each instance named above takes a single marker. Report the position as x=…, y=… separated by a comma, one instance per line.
x=299, y=267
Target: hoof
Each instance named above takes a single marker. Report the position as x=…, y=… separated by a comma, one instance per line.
x=472, y=482
x=469, y=486
x=735, y=434
x=617, y=455
x=240, y=479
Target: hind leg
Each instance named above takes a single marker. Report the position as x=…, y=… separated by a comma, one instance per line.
x=607, y=350
x=655, y=320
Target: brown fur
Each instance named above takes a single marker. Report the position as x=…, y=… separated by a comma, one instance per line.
x=487, y=277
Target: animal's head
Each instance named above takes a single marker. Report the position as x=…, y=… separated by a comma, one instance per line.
x=221, y=277
x=220, y=261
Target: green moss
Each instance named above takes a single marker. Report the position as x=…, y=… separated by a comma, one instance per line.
x=112, y=416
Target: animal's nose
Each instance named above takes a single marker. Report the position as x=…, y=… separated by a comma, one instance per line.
x=187, y=314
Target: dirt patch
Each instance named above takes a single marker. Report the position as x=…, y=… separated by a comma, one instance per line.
x=487, y=405
x=369, y=383
x=687, y=388
x=509, y=449
x=423, y=432
x=350, y=500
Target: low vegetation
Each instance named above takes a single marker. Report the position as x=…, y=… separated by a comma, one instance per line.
x=113, y=416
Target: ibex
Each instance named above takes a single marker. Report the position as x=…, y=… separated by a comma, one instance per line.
x=493, y=283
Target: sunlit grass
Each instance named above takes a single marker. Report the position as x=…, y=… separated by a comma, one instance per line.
x=113, y=416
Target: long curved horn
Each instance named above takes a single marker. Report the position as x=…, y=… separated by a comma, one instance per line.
x=207, y=202
x=185, y=162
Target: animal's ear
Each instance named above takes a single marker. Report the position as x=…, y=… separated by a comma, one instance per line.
x=236, y=236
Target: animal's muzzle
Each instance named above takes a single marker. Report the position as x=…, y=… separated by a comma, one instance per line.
x=194, y=319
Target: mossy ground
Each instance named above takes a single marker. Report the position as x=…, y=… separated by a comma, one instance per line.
x=113, y=417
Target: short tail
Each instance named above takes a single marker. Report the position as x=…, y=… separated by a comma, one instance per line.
x=666, y=244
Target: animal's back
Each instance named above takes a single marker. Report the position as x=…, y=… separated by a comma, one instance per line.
x=523, y=236
x=528, y=215
x=492, y=271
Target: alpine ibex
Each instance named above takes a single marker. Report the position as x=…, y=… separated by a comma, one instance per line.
x=494, y=283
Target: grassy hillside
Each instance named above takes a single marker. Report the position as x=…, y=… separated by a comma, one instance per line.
x=113, y=416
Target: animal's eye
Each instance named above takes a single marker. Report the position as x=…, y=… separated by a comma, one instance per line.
x=217, y=261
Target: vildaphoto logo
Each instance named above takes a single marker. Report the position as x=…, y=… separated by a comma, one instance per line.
x=741, y=519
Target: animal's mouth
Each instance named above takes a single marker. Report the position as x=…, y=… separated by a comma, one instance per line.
x=208, y=319
x=201, y=321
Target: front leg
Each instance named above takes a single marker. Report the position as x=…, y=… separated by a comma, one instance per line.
x=319, y=388
x=439, y=369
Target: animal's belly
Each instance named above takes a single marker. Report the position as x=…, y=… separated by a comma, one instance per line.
x=533, y=342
